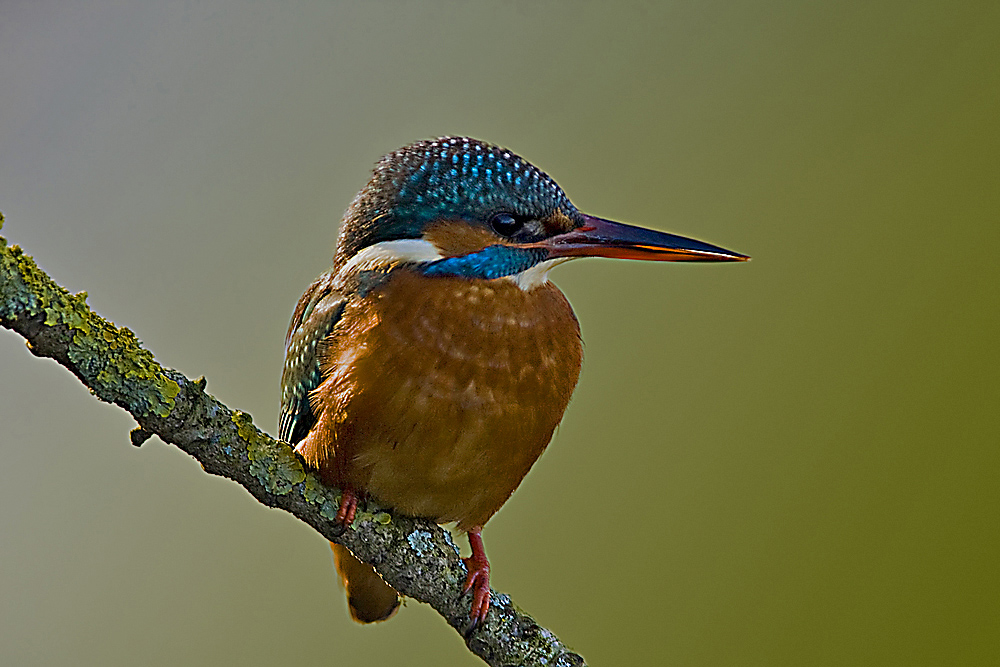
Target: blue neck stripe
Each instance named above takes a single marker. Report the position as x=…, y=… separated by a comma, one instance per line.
x=495, y=261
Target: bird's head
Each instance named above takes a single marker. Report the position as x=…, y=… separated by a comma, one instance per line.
x=457, y=206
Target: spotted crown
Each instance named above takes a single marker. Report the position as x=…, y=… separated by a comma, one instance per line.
x=446, y=178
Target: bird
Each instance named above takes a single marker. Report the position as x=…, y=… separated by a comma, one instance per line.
x=431, y=364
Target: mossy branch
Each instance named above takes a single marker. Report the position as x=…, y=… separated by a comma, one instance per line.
x=417, y=557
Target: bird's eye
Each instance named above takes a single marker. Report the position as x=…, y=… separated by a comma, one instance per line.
x=505, y=224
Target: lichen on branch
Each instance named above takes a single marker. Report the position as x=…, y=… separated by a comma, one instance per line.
x=415, y=556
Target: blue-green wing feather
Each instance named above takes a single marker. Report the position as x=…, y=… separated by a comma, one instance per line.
x=316, y=314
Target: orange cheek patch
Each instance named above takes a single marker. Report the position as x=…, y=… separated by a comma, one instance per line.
x=558, y=223
x=454, y=238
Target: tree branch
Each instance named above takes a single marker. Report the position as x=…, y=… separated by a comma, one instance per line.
x=417, y=557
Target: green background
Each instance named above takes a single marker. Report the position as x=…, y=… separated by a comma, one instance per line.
x=787, y=462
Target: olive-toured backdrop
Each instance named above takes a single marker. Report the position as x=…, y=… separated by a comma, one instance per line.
x=791, y=461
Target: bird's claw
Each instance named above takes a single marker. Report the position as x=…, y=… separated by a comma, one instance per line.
x=348, y=507
x=477, y=580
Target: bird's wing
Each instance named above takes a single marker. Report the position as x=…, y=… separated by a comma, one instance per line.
x=316, y=313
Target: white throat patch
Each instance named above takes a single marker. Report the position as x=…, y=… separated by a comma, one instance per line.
x=537, y=275
x=390, y=253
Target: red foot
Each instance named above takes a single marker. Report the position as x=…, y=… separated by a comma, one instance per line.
x=478, y=579
x=348, y=506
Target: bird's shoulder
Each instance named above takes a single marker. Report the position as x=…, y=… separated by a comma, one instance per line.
x=316, y=314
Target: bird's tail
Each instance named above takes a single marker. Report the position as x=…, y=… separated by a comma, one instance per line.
x=369, y=597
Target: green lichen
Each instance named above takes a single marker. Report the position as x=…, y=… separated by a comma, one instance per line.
x=71, y=310
x=274, y=465
x=314, y=492
x=113, y=361
x=19, y=274
x=122, y=368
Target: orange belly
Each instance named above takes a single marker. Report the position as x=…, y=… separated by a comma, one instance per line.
x=440, y=393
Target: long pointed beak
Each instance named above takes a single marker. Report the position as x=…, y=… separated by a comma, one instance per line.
x=604, y=238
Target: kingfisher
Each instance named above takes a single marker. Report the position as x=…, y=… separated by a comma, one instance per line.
x=430, y=365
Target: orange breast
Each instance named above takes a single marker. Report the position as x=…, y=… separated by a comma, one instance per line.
x=440, y=393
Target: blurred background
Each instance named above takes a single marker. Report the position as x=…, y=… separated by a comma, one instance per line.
x=792, y=461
